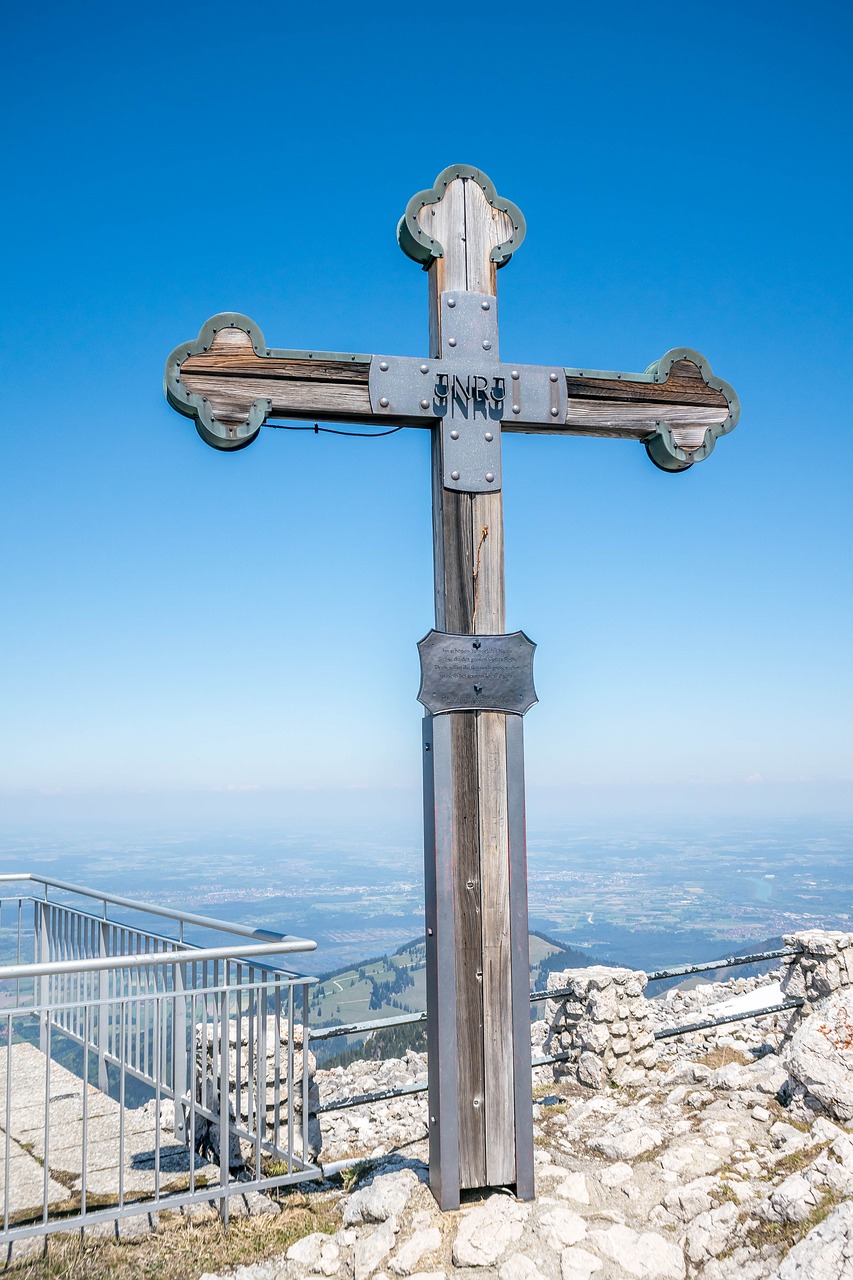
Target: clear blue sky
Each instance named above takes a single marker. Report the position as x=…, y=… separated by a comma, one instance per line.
x=183, y=623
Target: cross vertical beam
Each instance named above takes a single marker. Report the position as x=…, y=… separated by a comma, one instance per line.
x=477, y=942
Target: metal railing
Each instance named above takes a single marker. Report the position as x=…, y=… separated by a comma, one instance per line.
x=420, y=1086
x=141, y=1071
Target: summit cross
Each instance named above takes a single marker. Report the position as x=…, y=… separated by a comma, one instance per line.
x=475, y=690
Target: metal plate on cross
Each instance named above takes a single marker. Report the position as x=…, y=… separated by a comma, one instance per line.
x=477, y=673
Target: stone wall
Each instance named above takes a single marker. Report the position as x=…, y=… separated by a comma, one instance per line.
x=823, y=965
x=603, y=1022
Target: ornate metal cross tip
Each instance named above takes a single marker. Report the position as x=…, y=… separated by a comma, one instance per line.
x=232, y=383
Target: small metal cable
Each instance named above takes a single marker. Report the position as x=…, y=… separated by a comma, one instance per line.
x=332, y=431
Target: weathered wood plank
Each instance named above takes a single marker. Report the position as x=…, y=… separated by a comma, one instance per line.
x=497, y=953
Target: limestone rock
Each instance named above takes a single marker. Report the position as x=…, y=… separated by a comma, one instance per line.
x=578, y=1264
x=573, y=1187
x=487, y=1231
x=519, y=1267
x=425, y=1241
x=643, y=1254
x=385, y=1197
x=374, y=1248
x=563, y=1227
x=819, y=1056
x=710, y=1233
x=826, y=1252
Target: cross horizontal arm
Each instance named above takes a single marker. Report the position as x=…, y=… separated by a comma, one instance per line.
x=231, y=383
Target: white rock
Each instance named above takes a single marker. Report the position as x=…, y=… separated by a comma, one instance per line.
x=308, y=1250
x=627, y=1146
x=616, y=1175
x=374, y=1248
x=792, y=1201
x=643, y=1254
x=487, y=1231
x=573, y=1187
x=688, y=1201
x=416, y=1247
x=519, y=1267
x=563, y=1226
x=578, y=1264
x=761, y=1114
x=820, y=1055
x=386, y=1196
x=826, y=1253
x=710, y=1233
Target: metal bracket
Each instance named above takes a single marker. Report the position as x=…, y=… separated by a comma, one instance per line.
x=469, y=391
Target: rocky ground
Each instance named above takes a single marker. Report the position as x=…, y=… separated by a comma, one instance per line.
x=716, y=1164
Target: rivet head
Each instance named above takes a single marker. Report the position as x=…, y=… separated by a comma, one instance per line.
x=454, y=475
x=489, y=435
x=553, y=377
x=383, y=400
x=487, y=346
x=424, y=368
x=485, y=305
x=514, y=375
x=383, y=365
x=554, y=413
x=451, y=342
x=490, y=475
x=425, y=404
x=516, y=408
x=451, y=302
x=454, y=435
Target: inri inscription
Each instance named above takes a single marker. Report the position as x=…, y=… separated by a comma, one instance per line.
x=477, y=673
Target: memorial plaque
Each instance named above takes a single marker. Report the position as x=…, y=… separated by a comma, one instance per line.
x=477, y=673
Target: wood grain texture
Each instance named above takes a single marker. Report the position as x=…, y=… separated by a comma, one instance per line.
x=469, y=595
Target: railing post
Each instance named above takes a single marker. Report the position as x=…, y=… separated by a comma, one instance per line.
x=180, y=1050
x=42, y=956
x=103, y=1011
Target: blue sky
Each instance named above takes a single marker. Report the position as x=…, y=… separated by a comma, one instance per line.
x=182, y=623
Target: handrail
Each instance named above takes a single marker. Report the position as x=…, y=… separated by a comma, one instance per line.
x=130, y=960
x=183, y=917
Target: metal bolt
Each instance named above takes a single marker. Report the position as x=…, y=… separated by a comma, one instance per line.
x=425, y=404
x=489, y=435
x=424, y=368
x=485, y=305
x=516, y=408
x=451, y=342
x=383, y=365
x=553, y=377
x=383, y=400
x=451, y=302
x=454, y=435
x=454, y=475
x=554, y=413
x=490, y=475
x=514, y=375
x=429, y=932
x=487, y=346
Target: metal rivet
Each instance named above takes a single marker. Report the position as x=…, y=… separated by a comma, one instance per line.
x=489, y=435
x=514, y=375
x=424, y=368
x=553, y=377
x=490, y=475
x=485, y=305
x=454, y=475
x=425, y=404
x=383, y=365
x=451, y=302
x=383, y=400
x=554, y=413
x=454, y=435
x=429, y=931
x=487, y=346
x=451, y=342
x=516, y=408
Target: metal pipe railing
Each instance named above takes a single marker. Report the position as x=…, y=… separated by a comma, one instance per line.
x=131, y=904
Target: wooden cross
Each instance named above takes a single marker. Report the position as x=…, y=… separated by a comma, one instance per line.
x=232, y=383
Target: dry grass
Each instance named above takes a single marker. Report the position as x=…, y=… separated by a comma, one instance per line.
x=182, y=1248
x=787, y=1234
x=722, y=1057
